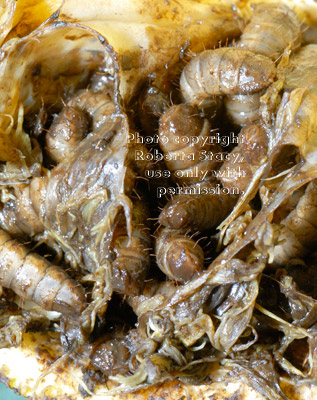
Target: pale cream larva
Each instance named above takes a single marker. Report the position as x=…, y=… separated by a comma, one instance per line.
x=225, y=71
x=272, y=28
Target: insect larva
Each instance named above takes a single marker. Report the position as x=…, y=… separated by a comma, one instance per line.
x=243, y=109
x=225, y=71
x=299, y=228
x=177, y=255
x=132, y=260
x=68, y=128
x=179, y=123
x=245, y=158
x=72, y=124
x=272, y=28
x=197, y=211
x=98, y=106
x=21, y=216
x=33, y=278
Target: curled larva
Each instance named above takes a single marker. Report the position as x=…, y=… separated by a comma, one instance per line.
x=73, y=122
x=68, y=128
x=225, y=71
x=183, y=134
x=34, y=278
x=21, y=216
x=299, y=228
x=237, y=171
x=201, y=211
x=132, y=258
x=177, y=255
x=98, y=106
x=272, y=28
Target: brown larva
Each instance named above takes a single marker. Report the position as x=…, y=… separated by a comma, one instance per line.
x=132, y=258
x=67, y=129
x=152, y=103
x=197, y=211
x=179, y=124
x=111, y=356
x=72, y=124
x=34, y=278
x=177, y=255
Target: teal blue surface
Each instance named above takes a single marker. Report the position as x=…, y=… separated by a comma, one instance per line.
x=7, y=394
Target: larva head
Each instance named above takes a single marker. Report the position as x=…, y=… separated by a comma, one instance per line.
x=129, y=272
x=178, y=121
x=66, y=131
x=176, y=214
x=184, y=259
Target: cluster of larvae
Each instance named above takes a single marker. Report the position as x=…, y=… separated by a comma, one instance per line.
x=233, y=78
x=238, y=76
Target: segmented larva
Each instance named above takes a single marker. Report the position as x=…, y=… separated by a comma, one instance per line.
x=177, y=255
x=132, y=258
x=245, y=158
x=34, y=278
x=179, y=123
x=21, y=216
x=197, y=211
x=272, y=28
x=243, y=109
x=73, y=122
x=299, y=228
x=68, y=128
x=225, y=71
